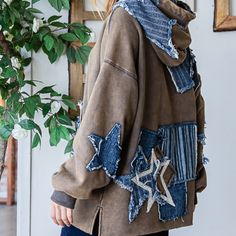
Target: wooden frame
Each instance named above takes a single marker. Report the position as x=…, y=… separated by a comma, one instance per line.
x=223, y=20
x=11, y=172
x=76, y=71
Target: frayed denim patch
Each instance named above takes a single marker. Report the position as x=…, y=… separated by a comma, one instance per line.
x=108, y=151
x=180, y=145
x=201, y=138
x=142, y=183
x=179, y=194
x=149, y=139
x=157, y=26
x=183, y=76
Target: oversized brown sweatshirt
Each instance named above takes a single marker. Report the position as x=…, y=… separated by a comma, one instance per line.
x=138, y=153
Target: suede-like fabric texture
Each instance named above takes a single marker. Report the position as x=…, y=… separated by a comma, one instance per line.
x=128, y=82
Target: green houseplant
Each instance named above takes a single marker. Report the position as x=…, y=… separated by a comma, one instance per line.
x=23, y=30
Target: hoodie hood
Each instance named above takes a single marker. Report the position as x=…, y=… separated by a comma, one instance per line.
x=180, y=37
x=165, y=23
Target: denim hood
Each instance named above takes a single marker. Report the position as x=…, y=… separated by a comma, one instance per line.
x=165, y=23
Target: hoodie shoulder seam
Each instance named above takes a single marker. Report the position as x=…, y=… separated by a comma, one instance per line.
x=117, y=66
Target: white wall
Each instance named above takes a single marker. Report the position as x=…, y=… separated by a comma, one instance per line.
x=215, y=211
x=215, y=214
x=33, y=214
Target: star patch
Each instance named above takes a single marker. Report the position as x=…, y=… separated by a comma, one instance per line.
x=142, y=183
x=108, y=151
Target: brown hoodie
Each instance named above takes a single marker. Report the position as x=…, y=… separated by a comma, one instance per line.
x=129, y=98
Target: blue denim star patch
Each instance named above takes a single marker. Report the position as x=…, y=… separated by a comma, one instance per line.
x=141, y=183
x=108, y=151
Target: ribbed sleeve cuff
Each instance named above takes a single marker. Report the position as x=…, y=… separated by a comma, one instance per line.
x=63, y=199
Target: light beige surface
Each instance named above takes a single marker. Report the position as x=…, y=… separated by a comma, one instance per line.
x=8, y=220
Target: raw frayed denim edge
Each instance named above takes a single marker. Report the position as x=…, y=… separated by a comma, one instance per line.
x=97, y=153
x=205, y=160
x=185, y=212
x=202, y=138
x=171, y=51
x=186, y=88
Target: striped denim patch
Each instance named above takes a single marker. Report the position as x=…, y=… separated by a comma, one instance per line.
x=157, y=26
x=179, y=143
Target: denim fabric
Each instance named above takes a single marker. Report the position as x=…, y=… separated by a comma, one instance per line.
x=202, y=138
x=179, y=194
x=73, y=231
x=142, y=180
x=148, y=140
x=180, y=145
x=141, y=183
x=184, y=74
x=107, y=151
x=158, y=28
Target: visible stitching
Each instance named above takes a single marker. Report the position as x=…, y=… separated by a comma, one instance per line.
x=129, y=73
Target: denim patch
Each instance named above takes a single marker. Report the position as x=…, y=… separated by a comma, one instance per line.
x=142, y=183
x=183, y=76
x=108, y=151
x=179, y=194
x=205, y=160
x=201, y=138
x=149, y=139
x=77, y=122
x=157, y=26
x=180, y=145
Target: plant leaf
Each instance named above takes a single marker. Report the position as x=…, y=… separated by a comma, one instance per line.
x=69, y=103
x=82, y=54
x=53, y=18
x=36, y=140
x=70, y=52
x=69, y=37
x=5, y=131
x=48, y=42
x=69, y=147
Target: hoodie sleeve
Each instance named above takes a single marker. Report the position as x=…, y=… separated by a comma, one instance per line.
x=201, y=181
x=107, y=120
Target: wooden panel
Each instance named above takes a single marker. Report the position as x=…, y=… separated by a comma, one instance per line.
x=10, y=172
x=76, y=71
x=223, y=20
